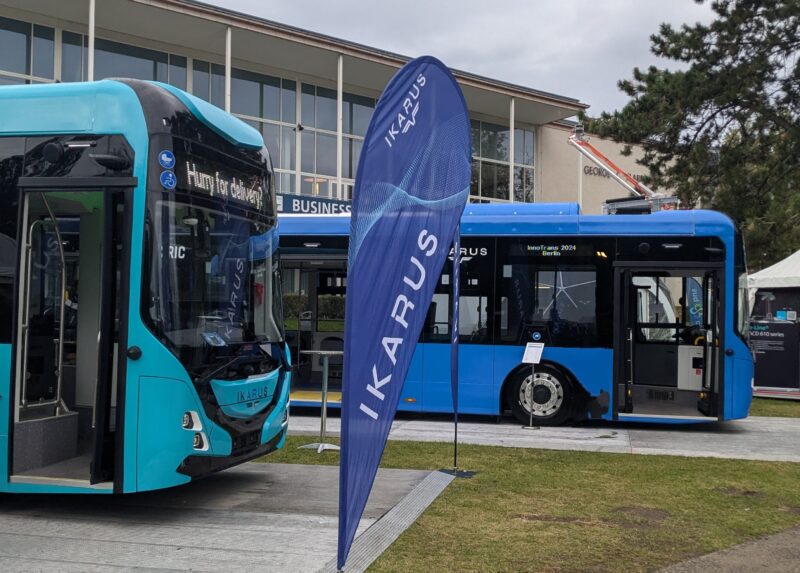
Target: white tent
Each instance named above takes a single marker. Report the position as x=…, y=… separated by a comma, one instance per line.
x=783, y=274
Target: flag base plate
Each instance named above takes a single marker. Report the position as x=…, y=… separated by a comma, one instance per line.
x=320, y=447
x=465, y=474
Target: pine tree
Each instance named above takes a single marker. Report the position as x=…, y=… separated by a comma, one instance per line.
x=724, y=131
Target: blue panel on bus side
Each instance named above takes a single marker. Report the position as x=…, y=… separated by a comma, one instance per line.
x=476, y=388
x=591, y=367
x=224, y=124
x=520, y=209
x=411, y=396
x=5, y=393
x=740, y=389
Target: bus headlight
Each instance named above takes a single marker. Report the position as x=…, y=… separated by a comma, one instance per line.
x=191, y=421
x=199, y=441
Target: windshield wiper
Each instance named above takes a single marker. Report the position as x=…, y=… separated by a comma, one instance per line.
x=205, y=378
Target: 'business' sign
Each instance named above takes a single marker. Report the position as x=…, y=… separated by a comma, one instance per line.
x=304, y=205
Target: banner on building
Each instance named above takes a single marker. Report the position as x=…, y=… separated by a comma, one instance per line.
x=411, y=187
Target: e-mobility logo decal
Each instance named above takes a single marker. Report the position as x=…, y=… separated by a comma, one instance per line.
x=407, y=116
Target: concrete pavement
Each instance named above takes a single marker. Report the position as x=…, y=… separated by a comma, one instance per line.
x=769, y=439
x=779, y=553
x=255, y=517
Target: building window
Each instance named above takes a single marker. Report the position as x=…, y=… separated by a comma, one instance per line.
x=72, y=57
x=112, y=59
x=177, y=73
x=491, y=151
x=115, y=60
x=208, y=82
x=26, y=52
x=318, y=140
x=523, y=166
x=268, y=104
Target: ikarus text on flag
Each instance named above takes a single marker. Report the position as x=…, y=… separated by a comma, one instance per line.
x=411, y=187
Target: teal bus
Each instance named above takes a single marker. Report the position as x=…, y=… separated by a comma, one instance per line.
x=141, y=336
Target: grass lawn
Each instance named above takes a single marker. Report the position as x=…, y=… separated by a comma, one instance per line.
x=775, y=407
x=536, y=510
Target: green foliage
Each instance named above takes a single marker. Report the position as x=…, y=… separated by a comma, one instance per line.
x=724, y=131
x=294, y=304
x=329, y=306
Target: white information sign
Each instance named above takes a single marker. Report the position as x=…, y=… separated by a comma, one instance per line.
x=533, y=352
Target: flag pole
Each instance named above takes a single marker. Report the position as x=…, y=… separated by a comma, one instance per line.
x=454, y=340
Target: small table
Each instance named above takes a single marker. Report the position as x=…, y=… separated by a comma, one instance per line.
x=321, y=446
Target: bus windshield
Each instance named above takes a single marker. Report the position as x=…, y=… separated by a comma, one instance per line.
x=214, y=282
x=214, y=278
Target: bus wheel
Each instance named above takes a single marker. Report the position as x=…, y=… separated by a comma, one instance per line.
x=550, y=396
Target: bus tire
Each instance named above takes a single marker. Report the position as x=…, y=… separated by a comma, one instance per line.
x=553, y=396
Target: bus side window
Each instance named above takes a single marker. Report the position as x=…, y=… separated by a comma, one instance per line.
x=11, y=154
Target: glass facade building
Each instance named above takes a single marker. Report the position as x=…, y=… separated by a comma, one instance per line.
x=314, y=154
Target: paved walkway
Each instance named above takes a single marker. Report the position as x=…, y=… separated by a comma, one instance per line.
x=255, y=517
x=778, y=553
x=770, y=439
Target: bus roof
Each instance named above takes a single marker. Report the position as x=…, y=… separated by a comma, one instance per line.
x=535, y=219
x=102, y=107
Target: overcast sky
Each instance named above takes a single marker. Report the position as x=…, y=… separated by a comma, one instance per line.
x=575, y=48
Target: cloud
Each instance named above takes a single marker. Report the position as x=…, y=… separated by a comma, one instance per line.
x=575, y=48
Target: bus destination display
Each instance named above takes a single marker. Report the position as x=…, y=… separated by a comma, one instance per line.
x=220, y=184
x=558, y=250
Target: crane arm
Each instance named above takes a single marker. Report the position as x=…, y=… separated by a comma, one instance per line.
x=637, y=188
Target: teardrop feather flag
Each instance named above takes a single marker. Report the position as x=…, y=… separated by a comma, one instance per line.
x=412, y=184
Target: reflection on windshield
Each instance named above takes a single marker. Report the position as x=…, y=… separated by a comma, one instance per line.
x=213, y=279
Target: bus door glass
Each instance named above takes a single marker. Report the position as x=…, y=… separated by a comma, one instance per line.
x=67, y=329
x=670, y=359
x=313, y=298
x=297, y=314
x=329, y=333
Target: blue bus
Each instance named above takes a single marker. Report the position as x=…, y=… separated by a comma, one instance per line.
x=644, y=317
x=141, y=334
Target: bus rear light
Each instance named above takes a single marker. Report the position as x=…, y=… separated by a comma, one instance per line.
x=187, y=421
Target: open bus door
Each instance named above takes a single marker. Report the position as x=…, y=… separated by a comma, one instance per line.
x=314, y=295
x=71, y=266
x=667, y=341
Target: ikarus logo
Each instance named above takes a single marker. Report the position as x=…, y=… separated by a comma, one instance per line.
x=407, y=115
x=468, y=253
